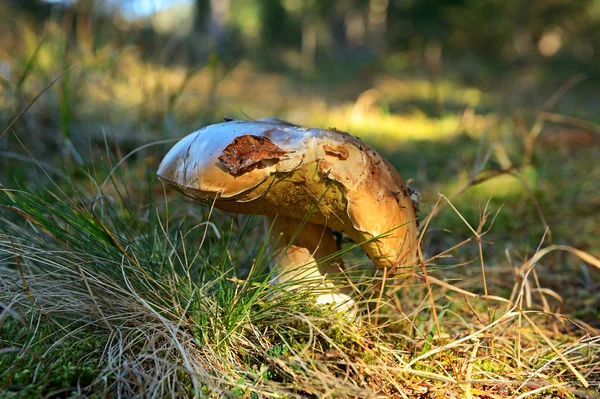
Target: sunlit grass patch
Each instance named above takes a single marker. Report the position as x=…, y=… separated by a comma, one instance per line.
x=394, y=89
x=392, y=130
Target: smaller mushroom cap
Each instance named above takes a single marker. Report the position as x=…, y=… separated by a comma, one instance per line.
x=326, y=176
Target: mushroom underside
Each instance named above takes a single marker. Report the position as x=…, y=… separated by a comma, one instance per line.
x=307, y=194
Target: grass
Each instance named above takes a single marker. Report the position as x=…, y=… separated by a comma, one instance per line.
x=100, y=295
x=110, y=286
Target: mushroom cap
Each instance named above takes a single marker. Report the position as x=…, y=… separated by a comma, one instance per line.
x=325, y=176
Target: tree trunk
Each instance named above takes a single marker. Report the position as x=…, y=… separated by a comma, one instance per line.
x=377, y=25
x=309, y=45
x=219, y=14
x=201, y=14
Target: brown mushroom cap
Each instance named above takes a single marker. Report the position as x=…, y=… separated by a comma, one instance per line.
x=270, y=167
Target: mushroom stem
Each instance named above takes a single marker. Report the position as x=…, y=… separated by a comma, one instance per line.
x=302, y=254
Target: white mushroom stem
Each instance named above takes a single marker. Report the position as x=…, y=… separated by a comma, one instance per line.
x=302, y=259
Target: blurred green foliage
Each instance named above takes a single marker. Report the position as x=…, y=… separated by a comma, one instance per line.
x=499, y=30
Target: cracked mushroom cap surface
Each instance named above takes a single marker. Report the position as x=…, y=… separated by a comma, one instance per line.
x=325, y=176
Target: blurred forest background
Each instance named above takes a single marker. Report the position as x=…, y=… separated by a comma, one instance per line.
x=452, y=92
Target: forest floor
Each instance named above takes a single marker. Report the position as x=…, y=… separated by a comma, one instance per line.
x=111, y=285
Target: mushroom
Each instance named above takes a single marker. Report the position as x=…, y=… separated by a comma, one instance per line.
x=307, y=181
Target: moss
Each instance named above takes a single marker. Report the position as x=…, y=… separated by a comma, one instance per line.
x=42, y=367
